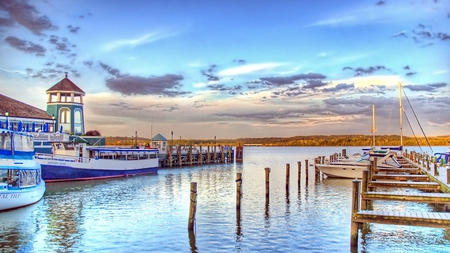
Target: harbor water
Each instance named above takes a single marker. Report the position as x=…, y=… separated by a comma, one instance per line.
x=149, y=213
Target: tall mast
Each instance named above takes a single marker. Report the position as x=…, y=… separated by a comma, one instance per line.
x=374, y=127
x=401, y=112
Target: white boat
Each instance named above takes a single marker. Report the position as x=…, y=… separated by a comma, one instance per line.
x=355, y=169
x=21, y=183
x=76, y=161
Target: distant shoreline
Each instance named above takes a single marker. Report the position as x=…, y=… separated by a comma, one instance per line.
x=310, y=140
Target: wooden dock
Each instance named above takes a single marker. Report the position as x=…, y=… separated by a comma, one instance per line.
x=191, y=155
x=417, y=174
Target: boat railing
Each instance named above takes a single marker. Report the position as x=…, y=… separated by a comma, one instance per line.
x=59, y=158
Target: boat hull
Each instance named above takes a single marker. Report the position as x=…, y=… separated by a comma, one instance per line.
x=342, y=171
x=95, y=169
x=15, y=198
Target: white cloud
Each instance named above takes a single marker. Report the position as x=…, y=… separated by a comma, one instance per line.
x=145, y=39
x=246, y=69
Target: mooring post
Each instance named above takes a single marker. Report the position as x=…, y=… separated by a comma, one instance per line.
x=238, y=190
x=369, y=176
x=375, y=165
x=299, y=166
x=436, y=171
x=193, y=206
x=355, y=208
x=267, y=181
x=288, y=169
x=306, y=172
x=365, y=184
x=428, y=162
x=448, y=176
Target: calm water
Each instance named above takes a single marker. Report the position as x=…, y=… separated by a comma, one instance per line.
x=150, y=213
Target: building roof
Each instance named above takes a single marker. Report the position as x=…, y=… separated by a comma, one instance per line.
x=20, y=109
x=159, y=137
x=66, y=85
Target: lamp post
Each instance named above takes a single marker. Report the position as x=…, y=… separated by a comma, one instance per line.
x=54, y=123
x=135, y=141
x=7, y=120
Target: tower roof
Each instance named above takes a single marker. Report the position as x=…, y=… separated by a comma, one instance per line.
x=20, y=109
x=66, y=85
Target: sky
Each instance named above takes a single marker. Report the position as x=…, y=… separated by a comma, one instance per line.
x=235, y=69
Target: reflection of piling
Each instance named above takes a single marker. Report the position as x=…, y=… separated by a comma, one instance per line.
x=193, y=206
x=288, y=168
x=267, y=181
x=238, y=190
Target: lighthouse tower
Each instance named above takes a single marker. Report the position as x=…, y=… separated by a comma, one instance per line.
x=65, y=104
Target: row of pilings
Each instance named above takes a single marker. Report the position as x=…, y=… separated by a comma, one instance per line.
x=198, y=155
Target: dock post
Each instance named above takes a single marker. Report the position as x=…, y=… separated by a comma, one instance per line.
x=428, y=162
x=306, y=172
x=267, y=181
x=344, y=152
x=299, y=165
x=355, y=208
x=365, y=183
x=200, y=155
x=179, y=155
x=436, y=171
x=288, y=168
x=369, y=176
x=375, y=165
x=238, y=190
x=192, y=206
x=190, y=154
x=169, y=150
x=448, y=176
x=208, y=155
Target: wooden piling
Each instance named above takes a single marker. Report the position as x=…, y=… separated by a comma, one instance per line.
x=200, y=155
x=448, y=176
x=355, y=208
x=267, y=181
x=436, y=171
x=299, y=165
x=193, y=206
x=238, y=190
x=365, y=186
x=288, y=168
x=306, y=171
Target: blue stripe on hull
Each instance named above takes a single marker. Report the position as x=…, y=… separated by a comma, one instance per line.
x=52, y=173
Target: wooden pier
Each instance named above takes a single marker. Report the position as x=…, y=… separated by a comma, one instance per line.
x=191, y=155
x=416, y=174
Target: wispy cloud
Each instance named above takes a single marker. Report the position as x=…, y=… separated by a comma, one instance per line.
x=145, y=39
x=251, y=68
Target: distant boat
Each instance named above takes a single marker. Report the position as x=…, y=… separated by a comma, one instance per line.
x=21, y=183
x=76, y=161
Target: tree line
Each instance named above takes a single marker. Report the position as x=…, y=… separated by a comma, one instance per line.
x=310, y=140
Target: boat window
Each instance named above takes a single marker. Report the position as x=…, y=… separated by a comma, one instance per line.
x=3, y=176
x=23, y=142
x=27, y=178
x=5, y=141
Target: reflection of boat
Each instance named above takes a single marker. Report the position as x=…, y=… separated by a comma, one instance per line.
x=21, y=183
x=76, y=161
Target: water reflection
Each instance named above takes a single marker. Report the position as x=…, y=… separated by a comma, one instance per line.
x=150, y=214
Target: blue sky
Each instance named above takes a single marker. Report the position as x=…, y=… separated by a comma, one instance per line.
x=234, y=68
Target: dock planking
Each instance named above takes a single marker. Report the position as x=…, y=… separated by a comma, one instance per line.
x=436, y=198
x=400, y=177
x=402, y=184
x=425, y=219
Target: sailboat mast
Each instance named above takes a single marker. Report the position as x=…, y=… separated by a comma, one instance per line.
x=373, y=125
x=401, y=112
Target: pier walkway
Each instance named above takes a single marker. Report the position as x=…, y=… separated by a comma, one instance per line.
x=416, y=174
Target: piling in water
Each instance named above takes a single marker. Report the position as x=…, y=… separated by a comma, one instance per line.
x=238, y=190
x=193, y=206
x=267, y=181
